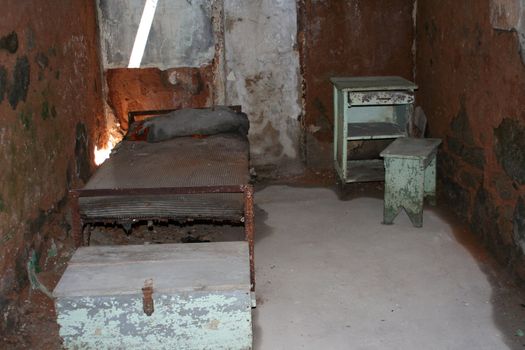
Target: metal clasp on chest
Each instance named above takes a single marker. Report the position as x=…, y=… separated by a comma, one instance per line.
x=147, y=297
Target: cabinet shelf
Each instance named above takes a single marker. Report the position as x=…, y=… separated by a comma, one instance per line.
x=365, y=170
x=374, y=131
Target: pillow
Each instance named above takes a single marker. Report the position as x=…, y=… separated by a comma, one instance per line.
x=189, y=122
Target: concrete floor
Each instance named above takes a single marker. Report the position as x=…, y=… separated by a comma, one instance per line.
x=331, y=276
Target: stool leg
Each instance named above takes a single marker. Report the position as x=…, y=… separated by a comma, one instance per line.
x=389, y=213
x=416, y=194
x=416, y=216
x=430, y=182
x=392, y=205
x=404, y=187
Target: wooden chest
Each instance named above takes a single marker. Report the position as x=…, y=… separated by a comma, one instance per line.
x=170, y=296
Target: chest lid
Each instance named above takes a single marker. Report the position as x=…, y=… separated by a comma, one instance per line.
x=122, y=270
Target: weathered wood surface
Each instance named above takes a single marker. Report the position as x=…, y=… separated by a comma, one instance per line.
x=412, y=148
x=410, y=176
x=120, y=270
x=201, y=297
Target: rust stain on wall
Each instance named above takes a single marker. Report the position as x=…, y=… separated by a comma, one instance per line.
x=348, y=38
x=50, y=78
x=472, y=87
x=152, y=89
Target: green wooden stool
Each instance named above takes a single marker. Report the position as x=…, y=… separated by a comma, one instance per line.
x=410, y=177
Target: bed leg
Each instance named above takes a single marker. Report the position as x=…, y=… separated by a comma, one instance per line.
x=249, y=229
x=86, y=238
x=76, y=222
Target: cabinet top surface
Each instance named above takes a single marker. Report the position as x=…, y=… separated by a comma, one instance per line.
x=372, y=83
x=408, y=147
x=118, y=270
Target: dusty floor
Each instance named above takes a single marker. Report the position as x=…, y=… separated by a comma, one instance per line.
x=329, y=275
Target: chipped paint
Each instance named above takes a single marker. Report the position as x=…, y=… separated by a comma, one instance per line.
x=408, y=180
x=262, y=66
x=380, y=98
x=404, y=181
x=193, y=320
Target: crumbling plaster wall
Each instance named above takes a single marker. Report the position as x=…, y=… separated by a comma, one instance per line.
x=155, y=89
x=50, y=108
x=181, y=65
x=509, y=15
x=472, y=88
x=255, y=64
x=263, y=75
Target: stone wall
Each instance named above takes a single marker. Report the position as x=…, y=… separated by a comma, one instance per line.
x=51, y=112
x=472, y=88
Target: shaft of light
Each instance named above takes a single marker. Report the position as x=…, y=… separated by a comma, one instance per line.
x=142, y=34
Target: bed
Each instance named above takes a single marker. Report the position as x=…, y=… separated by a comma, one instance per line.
x=189, y=177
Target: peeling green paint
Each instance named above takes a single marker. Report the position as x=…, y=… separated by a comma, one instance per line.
x=410, y=177
x=404, y=188
x=33, y=262
x=192, y=320
x=52, y=251
x=32, y=270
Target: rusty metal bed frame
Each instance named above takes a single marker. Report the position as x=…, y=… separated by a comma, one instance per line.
x=79, y=222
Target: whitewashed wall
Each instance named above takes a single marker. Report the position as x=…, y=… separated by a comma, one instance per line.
x=263, y=75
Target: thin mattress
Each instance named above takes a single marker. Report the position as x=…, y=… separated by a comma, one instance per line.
x=217, y=160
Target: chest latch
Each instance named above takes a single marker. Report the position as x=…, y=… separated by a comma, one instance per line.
x=147, y=297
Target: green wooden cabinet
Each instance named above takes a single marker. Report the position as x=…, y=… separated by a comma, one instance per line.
x=368, y=108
